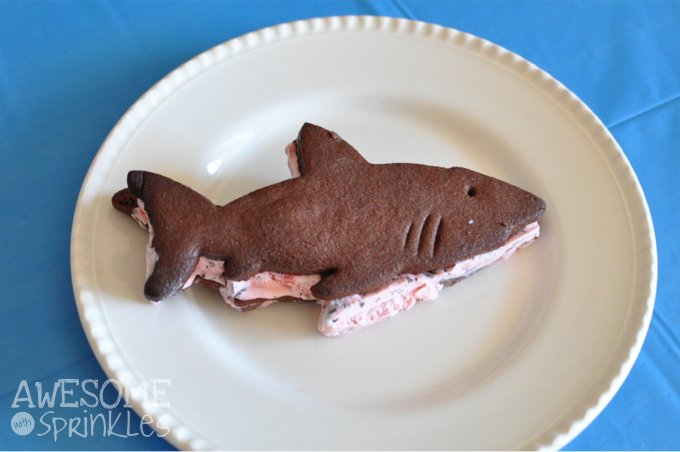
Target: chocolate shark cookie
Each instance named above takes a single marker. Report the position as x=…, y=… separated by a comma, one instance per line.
x=356, y=226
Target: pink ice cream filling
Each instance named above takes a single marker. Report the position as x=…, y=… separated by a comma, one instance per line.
x=345, y=315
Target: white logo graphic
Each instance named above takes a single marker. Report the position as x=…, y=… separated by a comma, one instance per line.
x=86, y=424
x=22, y=423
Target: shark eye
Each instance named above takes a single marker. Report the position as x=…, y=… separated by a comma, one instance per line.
x=471, y=192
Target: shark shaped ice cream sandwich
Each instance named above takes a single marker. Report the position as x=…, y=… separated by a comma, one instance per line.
x=365, y=241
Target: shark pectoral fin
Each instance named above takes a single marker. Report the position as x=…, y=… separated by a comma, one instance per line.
x=320, y=150
x=170, y=272
x=345, y=282
x=240, y=269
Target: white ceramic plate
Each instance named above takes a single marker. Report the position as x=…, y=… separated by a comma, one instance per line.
x=522, y=355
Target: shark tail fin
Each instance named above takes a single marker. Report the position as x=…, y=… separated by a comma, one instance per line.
x=177, y=218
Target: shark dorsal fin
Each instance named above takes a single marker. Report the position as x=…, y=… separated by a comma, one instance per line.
x=322, y=151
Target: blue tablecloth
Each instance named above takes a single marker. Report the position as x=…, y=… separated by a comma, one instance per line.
x=70, y=70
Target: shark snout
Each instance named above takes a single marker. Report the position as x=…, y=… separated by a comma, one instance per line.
x=497, y=200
